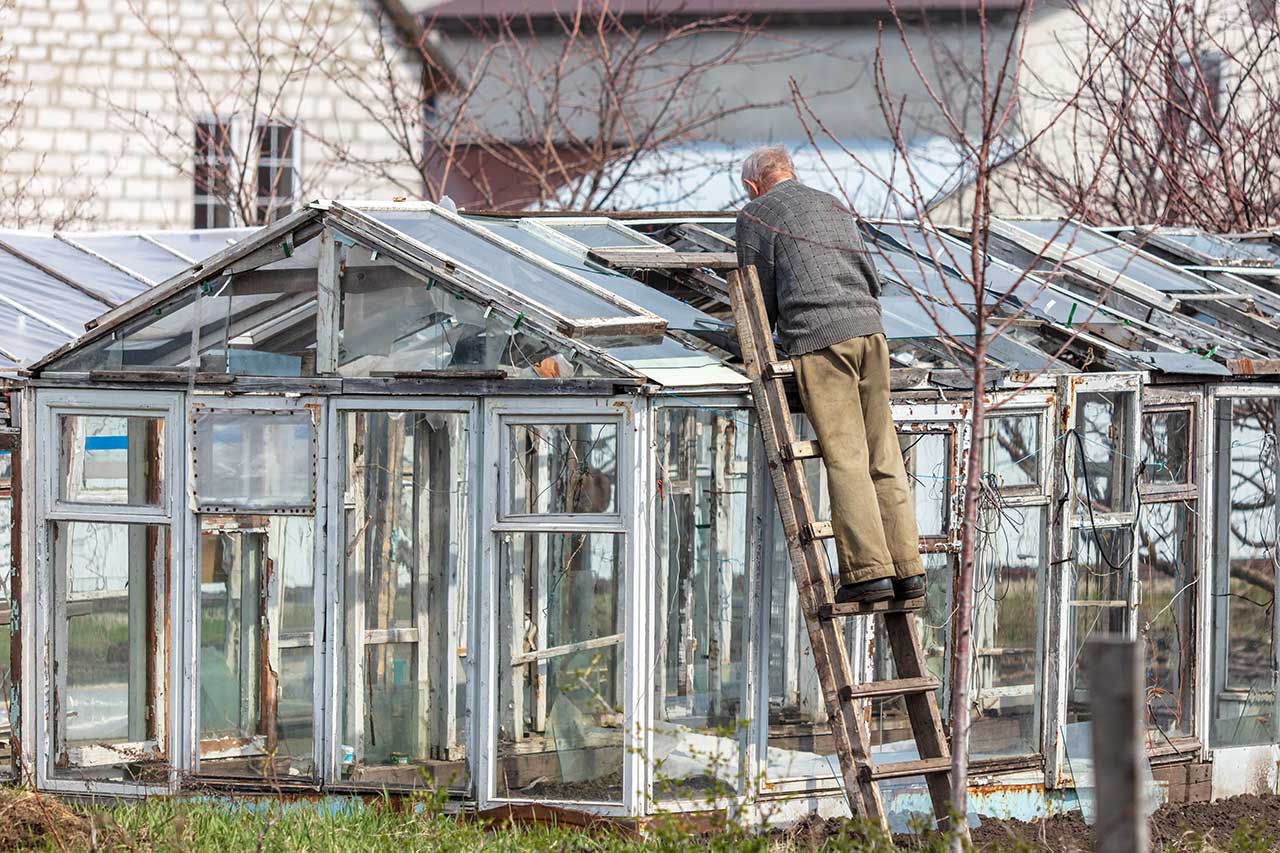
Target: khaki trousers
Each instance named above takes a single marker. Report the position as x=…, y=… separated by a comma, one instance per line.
x=845, y=389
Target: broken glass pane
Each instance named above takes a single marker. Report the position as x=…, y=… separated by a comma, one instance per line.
x=256, y=460
x=256, y=640
x=701, y=718
x=1166, y=603
x=109, y=650
x=560, y=675
x=110, y=459
x=405, y=659
x=563, y=468
x=1166, y=447
x=1013, y=452
x=927, y=457
x=1098, y=604
x=1103, y=477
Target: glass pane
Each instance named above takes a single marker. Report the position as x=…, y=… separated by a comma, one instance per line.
x=563, y=468
x=407, y=568
x=1005, y=717
x=541, y=285
x=393, y=322
x=600, y=235
x=560, y=667
x=1013, y=452
x=1098, y=604
x=254, y=459
x=95, y=276
x=108, y=650
x=1112, y=254
x=158, y=339
x=110, y=459
x=132, y=251
x=256, y=642
x=1244, y=700
x=1103, y=474
x=1166, y=573
x=1166, y=447
x=701, y=595
x=927, y=457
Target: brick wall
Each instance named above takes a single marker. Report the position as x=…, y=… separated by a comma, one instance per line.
x=106, y=116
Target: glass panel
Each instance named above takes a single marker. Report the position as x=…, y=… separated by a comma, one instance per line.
x=1007, y=630
x=132, y=251
x=256, y=618
x=91, y=274
x=1098, y=604
x=393, y=322
x=201, y=244
x=701, y=596
x=1080, y=243
x=541, y=285
x=109, y=650
x=1244, y=701
x=560, y=667
x=678, y=314
x=157, y=339
x=46, y=296
x=1103, y=475
x=110, y=459
x=407, y=568
x=26, y=339
x=254, y=459
x=1166, y=447
x=1166, y=574
x=927, y=457
x=263, y=322
x=600, y=235
x=563, y=468
x=1013, y=451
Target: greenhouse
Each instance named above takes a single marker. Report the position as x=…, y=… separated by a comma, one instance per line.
x=387, y=497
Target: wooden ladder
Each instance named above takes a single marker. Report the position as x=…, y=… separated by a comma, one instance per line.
x=804, y=533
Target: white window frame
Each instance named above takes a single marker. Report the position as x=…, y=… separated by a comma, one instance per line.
x=188, y=616
x=270, y=207
x=632, y=416
x=50, y=405
x=340, y=617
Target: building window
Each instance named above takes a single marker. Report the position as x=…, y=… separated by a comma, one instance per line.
x=277, y=170
x=213, y=161
x=1194, y=99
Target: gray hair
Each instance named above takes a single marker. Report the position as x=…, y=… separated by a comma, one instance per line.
x=763, y=162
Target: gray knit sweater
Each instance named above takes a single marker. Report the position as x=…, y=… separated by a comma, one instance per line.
x=818, y=281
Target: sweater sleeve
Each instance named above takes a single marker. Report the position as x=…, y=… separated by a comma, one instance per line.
x=755, y=249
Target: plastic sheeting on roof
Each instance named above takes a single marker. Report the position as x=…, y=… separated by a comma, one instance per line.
x=111, y=285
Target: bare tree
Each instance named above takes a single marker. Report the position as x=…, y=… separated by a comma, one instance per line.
x=225, y=119
x=969, y=99
x=1198, y=86
x=26, y=199
x=556, y=113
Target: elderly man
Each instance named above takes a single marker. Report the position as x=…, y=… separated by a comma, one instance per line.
x=821, y=290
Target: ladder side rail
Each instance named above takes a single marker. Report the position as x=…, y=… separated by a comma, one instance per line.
x=922, y=709
x=808, y=559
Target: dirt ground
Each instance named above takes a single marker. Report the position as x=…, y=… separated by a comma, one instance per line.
x=1245, y=824
x=1171, y=826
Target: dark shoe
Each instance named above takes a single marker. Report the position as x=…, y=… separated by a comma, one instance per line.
x=867, y=592
x=912, y=587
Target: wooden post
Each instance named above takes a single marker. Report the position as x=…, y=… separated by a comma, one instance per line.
x=1115, y=688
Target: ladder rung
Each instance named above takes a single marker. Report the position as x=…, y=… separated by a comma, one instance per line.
x=889, y=687
x=904, y=769
x=779, y=370
x=817, y=530
x=836, y=610
x=802, y=450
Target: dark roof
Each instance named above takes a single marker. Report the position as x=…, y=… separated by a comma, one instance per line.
x=470, y=10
